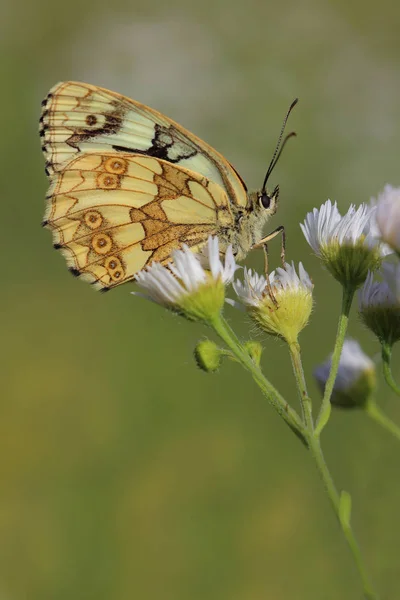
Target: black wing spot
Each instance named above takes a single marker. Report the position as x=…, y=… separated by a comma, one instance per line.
x=74, y=272
x=45, y=101
x=164, y=139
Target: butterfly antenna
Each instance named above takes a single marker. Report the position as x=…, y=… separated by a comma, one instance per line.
x=279, y=147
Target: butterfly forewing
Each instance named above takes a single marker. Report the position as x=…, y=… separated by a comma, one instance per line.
x=81, y=118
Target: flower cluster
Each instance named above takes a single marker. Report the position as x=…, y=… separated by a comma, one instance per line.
x=194, y=286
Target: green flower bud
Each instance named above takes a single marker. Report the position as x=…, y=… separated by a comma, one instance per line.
x=254, y=350
x=207, y=356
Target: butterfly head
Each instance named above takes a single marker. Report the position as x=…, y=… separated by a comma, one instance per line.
x=262, y=204
x=267, y=201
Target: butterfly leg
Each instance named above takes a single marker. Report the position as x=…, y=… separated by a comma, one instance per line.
x=269, y=287
x=263, y=243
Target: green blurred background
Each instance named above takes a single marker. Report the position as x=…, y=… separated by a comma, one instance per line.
x=126, y=472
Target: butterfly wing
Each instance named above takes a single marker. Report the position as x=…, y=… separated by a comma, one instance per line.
x=114, y=213
x=81, y=118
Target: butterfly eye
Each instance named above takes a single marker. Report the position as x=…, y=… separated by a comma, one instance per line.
x=264, y=200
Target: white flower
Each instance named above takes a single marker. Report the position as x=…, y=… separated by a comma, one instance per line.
x=284, y=314
x=379, y=303
x=355, y=377
x=254, y=287
x=347, y=244
x=210, y=258
x=327, y=225
x=251, y=291
x=385, y=293
x=187, y=286
x=388, y=216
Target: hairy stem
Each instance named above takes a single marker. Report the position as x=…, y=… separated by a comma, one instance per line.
x=298, y=370
x=288, y=414
x=325, y=410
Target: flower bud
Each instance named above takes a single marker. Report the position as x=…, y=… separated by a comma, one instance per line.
x=207, y=356
x=356, y=377
x=379, y=304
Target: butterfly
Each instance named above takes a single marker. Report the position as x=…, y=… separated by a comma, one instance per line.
x=129, y=185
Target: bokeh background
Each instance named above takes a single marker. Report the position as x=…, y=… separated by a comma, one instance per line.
x=124, y=471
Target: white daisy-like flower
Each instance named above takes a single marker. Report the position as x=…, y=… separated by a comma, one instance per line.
x=383, y=293
x=388, y=216
x=356, y=376
x=379, y=303
x=253, y=289
x=190, y=284
x=346, y=244
x=287, y=312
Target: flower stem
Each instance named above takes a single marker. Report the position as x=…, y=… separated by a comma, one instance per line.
x=305, y=400
x=288, y=414
x=387, y=367
x=376, y=413
x=325, y=410
x=335, y=499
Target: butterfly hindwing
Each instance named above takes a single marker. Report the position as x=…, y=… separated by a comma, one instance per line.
x=114, y=213
x=81, y=118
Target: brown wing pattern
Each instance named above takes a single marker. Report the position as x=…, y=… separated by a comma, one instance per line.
x=113, y=214
x=80, y=118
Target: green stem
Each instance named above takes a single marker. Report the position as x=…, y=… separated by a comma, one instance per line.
x=373, y=411
x=303, y=430
x=387, y=367
x=316, y=451
x=325, y=410
x=288, y=414
x=305, y=400
x=334, y=497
